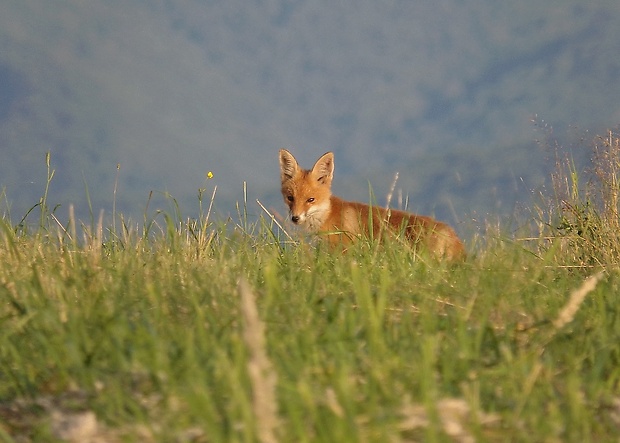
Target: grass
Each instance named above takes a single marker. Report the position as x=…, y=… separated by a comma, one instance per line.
x=193, y=331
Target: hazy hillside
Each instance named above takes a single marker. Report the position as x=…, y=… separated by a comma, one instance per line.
x=441, y=91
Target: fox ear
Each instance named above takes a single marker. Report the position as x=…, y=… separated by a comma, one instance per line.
x=288, y=165
x=323, y=169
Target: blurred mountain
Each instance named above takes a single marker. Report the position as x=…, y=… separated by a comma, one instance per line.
x=442, y=91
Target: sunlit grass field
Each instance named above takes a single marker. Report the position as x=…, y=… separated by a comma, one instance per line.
x=177, y=330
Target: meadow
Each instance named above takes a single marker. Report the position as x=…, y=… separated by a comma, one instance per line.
x=197, y=330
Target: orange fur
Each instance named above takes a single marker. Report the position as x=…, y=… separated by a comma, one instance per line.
x=313, y=207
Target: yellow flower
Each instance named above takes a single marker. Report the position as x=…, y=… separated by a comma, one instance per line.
x=209, y=175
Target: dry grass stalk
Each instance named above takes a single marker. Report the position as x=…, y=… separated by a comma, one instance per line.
x=567, y=314
x=389, y=196
x=260, y=370
x=607, y=170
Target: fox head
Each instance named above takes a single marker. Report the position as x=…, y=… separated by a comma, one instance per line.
x=307, y=192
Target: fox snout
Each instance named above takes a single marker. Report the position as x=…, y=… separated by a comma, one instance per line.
x=297, y=214
x=298, y=218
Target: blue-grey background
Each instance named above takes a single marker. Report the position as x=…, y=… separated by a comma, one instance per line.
x=442, y=91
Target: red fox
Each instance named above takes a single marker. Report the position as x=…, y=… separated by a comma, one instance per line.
x=313, y=207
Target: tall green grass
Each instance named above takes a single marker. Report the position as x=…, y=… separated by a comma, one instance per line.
x=587, y=205
x=177, y=330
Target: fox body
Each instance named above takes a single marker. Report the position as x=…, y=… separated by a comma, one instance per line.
x=312, y=206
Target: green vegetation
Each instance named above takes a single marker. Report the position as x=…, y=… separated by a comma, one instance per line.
x=180, y=330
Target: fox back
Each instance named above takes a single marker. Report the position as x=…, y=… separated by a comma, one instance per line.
x=307, y=193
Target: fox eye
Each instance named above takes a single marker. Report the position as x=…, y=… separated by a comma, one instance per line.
x=290, y=198
x=310, y=200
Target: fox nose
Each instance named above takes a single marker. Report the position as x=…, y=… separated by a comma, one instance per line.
x=295, y=219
